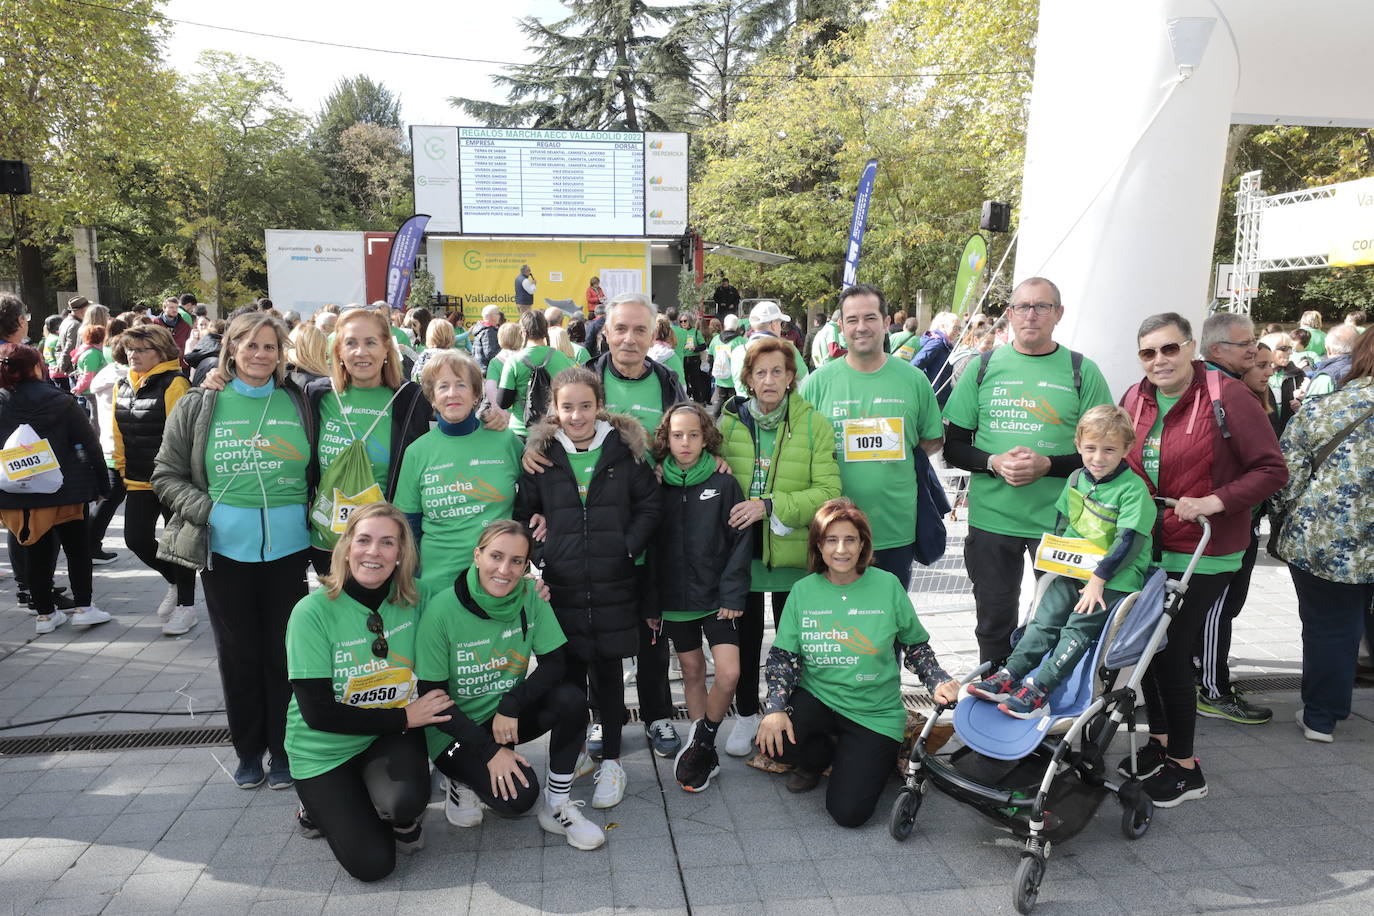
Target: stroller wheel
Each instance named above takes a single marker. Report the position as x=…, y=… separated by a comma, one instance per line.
x=904, y=811
x=1135, y=819
x=1028, y=877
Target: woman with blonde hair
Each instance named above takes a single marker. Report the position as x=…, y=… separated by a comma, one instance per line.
x=511, y=339
x=438, y=338
x=307, y=354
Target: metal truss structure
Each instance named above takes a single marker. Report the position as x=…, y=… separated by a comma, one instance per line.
x=1251, y=202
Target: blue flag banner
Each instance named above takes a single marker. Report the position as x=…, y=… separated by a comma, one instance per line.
x=856, y=225
x=404, y=247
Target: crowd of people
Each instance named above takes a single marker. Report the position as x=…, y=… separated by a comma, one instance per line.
x=500, y=516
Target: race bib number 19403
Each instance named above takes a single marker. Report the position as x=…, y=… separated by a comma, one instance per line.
x=875, y=439
x=24, y=461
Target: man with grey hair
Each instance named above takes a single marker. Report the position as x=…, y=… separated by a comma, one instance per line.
x=483, y=336
x=555, y=316
x=1330, y=372
x=1228, y=343
x=524, y=288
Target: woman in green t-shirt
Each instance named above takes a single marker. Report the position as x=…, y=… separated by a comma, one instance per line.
x=782, y=454
x=355, y=725
x=477, y=638
x=518, y=373
x=834, y=689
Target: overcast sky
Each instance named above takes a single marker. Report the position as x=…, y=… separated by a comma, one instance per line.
x=466, y=28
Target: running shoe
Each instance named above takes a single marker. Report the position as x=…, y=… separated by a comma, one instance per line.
x=462, y=807
x=1000, y=686
x=101, y=557
x=610, y=785
x=1232, y=708
x=1174, y=784
x=180, y=622
x=741, y=740
x=594, y=740
x=568, y=821
x=663, y=738
x=409, y=837
x=696, y=764
x=306, y=825
x=1311, y=734
x=168, y=603
x=1148, y=760
x=46, y=623
x=250, y=774
x=1029, y=702
x=88, y=616
x=279, y=773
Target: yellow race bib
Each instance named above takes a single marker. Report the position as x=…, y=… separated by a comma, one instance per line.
x=875, y=439
x=24, y=461
x=344, y=506
x=389, y=689
x=1076, y=558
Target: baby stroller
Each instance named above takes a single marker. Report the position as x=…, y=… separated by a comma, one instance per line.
x=1046, y=787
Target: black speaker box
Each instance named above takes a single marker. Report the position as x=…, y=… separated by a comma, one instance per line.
x=14, y=177
x=996, y=216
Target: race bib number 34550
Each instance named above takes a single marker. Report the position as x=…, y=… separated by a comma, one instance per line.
x=874, y=439
x=387, y=689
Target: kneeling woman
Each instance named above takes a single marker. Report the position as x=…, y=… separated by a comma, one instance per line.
x=476, y=641
x=354, y=728
x=834, y=689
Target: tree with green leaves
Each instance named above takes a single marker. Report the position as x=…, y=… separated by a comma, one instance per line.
x=600, y=67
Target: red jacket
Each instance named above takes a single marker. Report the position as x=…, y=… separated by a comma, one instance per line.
x=1242, y=470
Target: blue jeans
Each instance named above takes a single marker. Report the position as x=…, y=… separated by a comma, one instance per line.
x=897, y=560
x=1333, y=623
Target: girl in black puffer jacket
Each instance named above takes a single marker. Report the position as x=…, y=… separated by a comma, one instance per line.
x=38, y=522
x=593, y=513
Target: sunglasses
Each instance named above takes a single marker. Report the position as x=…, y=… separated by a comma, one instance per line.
x=374, y=625
x=1169, y=349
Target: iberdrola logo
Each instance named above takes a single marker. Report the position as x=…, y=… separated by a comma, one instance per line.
x=656, y=144
x=655, y=214
x=656, y=179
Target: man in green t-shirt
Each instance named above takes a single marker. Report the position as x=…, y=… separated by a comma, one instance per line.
x=1010, y=421
x=882, y=409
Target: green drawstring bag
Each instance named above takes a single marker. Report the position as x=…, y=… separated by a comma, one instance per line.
x=346, y=484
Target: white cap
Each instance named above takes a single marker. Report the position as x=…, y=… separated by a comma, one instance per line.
x=764, y=312
x=731, y=322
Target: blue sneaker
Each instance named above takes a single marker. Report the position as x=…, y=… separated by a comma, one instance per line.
x=663, y=738
x=1030, y=702
x=279, y=774
x=249, y=775
x=996, y=687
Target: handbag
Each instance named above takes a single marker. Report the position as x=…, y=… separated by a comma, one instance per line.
x=931, y=508
x=1278, y=519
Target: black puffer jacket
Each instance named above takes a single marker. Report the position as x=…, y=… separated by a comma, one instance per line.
x=484, y=344
x=203, y=357
x=410, y=416
x=588, y=554
x=697, y=561
x=53, y=414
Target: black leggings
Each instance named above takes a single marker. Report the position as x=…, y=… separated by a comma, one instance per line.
x=862, y=759
x=320, y=560
x=1169, y=686
x=41, y=563
x=104, y=514
x=562, y=713
x=355, y=804
x=606, y=677
x=141, y=512
x=751, y=646
x=248, y=605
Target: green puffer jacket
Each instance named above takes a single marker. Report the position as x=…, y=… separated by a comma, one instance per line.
x=804, y=473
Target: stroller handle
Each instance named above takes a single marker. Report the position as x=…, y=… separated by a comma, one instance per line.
x=1164, y=502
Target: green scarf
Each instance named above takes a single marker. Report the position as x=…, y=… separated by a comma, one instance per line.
x=503, y=609
x=701, y=471
x=769, y=421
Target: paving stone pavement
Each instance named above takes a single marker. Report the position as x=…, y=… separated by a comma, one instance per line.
x=151, y=831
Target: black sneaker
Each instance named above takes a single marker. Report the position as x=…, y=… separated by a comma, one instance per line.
x=1173, y=785
x=60, y=600
x=1148, y=760
x=306, y=825
x=695, y=766
x=1232, y=708
x=409, y=838
x=101, y=557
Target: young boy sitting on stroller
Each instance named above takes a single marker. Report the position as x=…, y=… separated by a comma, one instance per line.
x=1108, y=514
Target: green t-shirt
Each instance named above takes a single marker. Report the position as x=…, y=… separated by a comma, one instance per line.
x=458, y=485
x=583, y=466
x=904, y=344
x=515, y=376
x=481, y=659
x=1029, y=401
x=680, y=335
x=692, y=341
x=330, y=639
x=1169, y=560
x=580, y=355
x=641, y=398
x=257, y=452
x=1097, y=511
x=767, y=440
x=363, y=409
x=879, y=418
x=1317, y=343
x=497, y=366
x=93, y=360
x=845, y=637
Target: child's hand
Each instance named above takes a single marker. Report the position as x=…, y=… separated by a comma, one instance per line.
x=1091, y=597
x=947, y=694
x=726, y=614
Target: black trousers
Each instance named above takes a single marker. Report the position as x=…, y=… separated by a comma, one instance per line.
x=320, y=560
x=141, y=512
x=602, y=683
x=356, y=803
x=1214, y=645
x=561, y=714
x=1168, y=686
x=651, y=676
x=751, y=648
x=1333, y=617
x=249, y=604
x=41, y=563
x=105, y=512
x=862, y=759
x=995, y=563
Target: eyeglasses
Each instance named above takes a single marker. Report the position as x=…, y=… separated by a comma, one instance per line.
x=1040, y=308
x=374, y=625
x=1247, y=344
x=139, y=349
x=1169, y=349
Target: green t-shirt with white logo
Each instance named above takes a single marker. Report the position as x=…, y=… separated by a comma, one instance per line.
x=1172, y=561
x=481, y=659
x=1097, y=511
x=515, y=376
x=362, y=408
x=879, y=418
x=583, y=466
x=330, y=639
x=845, y=636
x=641, y=398
x=257, y=452
x=458, y=485
x=1028, y=401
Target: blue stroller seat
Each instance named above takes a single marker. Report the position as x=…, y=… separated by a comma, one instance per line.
x=991, y=732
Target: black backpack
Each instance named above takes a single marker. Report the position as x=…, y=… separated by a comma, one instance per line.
x=537, y=391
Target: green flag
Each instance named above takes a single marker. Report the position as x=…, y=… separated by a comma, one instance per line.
x=972, y=263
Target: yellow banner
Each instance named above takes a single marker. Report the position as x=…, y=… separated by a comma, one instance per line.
x=1352, y=243
x=484, y=273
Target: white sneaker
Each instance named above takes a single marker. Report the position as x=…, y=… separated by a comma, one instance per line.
x=567, y=819
x=462, y=807
x=610, y=785
x=89, y=616
x=741, y=740
x=181, y=621
x=46, y=623
x=585, y=766
x=169, y=603
x=1311, y=734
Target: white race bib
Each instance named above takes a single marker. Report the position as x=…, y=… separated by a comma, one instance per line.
x=1076, y=558
x=875, y=439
